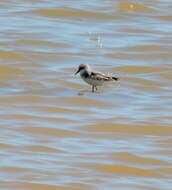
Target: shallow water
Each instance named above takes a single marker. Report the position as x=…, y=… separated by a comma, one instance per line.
x=55, y=133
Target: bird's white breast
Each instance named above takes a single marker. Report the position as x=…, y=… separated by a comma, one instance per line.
x=92, y=81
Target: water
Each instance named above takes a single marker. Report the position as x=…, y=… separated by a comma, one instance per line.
x=55, y=133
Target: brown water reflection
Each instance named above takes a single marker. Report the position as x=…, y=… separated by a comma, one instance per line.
x=56, y=133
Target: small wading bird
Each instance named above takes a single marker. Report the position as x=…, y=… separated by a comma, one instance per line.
x=93, y=78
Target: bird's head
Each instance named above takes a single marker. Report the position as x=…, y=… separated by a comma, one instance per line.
x=82, y=67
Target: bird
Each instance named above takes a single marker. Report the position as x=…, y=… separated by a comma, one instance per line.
x=93, y=78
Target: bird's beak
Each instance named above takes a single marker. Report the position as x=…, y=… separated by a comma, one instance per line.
x=77, y=71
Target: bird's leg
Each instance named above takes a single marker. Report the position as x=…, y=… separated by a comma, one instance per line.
x=93, y=88
x=96, y=88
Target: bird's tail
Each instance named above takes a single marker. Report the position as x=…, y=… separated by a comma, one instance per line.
x=115, y=78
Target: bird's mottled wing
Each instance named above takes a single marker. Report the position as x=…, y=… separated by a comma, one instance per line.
x=100, y=76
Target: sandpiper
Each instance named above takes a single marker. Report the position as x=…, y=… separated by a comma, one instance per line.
x=93, y=78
